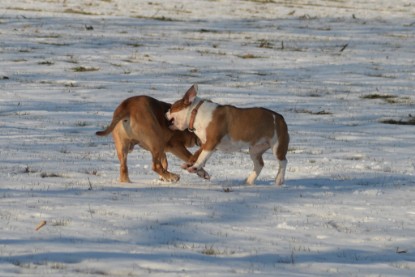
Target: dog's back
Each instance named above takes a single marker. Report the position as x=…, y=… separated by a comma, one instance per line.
x=131, y=105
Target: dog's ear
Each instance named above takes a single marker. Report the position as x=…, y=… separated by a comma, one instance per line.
x=190, y=94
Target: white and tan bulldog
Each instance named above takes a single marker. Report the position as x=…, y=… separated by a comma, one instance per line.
x=229, y=128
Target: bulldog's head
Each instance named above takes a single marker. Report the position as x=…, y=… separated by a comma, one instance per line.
x=179, y=113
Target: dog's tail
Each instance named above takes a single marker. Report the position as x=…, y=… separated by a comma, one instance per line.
x=283, y=137
x=119, y=114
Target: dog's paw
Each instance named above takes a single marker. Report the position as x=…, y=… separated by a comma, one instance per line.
x=171, y=177
x=200, y=172
x=124, y=179
x=186, y=165
x=175, y=178
x=203, y=174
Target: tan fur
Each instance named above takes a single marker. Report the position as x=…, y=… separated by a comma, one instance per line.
x=141, y=120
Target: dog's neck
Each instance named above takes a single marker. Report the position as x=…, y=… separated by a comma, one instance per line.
x=194, y=114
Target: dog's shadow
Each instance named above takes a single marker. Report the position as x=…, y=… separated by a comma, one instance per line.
x=241, y=183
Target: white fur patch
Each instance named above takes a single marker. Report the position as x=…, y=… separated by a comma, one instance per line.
x=280, y=179
x=203, y=118
x=201, y=160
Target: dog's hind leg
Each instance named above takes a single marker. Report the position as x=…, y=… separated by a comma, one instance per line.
x=122, y=146
x=159, y=161
x=280, y=152
x=280, y=148
x=256, y=156
x=164, y=162
x=280, y=179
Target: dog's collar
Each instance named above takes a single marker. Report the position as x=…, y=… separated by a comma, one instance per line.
x=193, y=116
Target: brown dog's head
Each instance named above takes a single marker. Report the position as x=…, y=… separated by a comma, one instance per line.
x=191, y=139
x=179, y=113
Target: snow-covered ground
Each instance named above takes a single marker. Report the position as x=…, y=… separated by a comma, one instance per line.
x=334, y=69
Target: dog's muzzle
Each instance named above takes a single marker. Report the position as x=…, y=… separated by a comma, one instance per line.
x=170, y=120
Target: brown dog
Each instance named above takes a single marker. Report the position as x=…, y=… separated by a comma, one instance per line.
x=229, y=128
x=141, y=120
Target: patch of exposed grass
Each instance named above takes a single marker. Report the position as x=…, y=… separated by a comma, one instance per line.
x=308, y=17
x=209, y=31
x=354, y=158
x=135, y=44
x=378, y=96
x=409, y=121
x=159, y=18
x=388, y=98
x=45, y=63
x=380, y=75
x=61, y=222
x=70, y=85
x=163, y=18
x=262, y=1
x=249, y=56
x=211, y=52
x=23, y=9
x=399, y=100
x=322, y=112
x=314, y=94
x=263, y=43
x=50, y=175
x=78, y=12
x=82, y=123
x=84, y=69
x=64, y=150
x=28, y=170
x=57, y=44
x=57, y=266
x=210, y=251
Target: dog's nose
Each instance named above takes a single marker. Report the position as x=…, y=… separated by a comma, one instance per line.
x=170, y=121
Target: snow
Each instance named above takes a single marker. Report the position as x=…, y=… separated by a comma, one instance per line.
x=347, y=207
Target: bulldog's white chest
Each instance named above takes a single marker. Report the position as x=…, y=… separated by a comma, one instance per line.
x=203, y=119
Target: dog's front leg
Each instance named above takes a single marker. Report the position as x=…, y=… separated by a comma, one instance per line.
x=188, y=165
x=201, y=156
x=201, y=160
x=205, y=151
x=191, y=161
